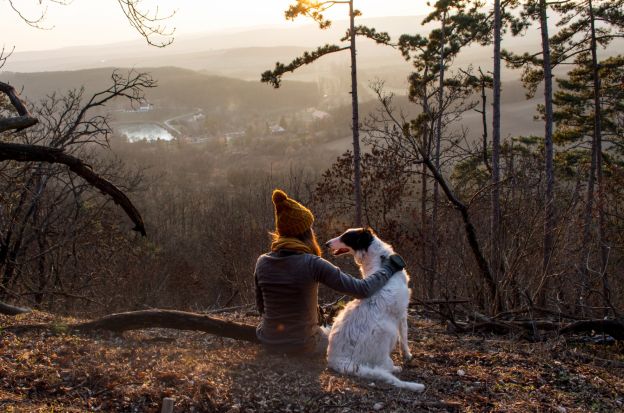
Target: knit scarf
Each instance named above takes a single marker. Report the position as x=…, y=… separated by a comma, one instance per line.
x=292, y=244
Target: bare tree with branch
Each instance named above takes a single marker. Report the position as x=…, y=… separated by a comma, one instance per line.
x=73, y=126
x=68, y=132
x=403, y=138
x=151, y=25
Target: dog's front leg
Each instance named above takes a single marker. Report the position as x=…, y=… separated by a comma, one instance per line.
x=407, y=355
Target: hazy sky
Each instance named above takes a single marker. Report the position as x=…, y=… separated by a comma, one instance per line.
x=86, y=22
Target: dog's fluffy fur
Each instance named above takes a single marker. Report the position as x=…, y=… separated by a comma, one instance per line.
x=365, y=333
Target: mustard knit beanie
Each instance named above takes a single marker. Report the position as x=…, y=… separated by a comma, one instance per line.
x=291, y=218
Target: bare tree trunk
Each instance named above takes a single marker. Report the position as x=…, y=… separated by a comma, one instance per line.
x=549, y=201
x=434, y=217
x=587, y=224
x=426, y=138
x=596, y=156
x=425, y=232
x=357, y=185
x=41, y=264
x=483, y=113
x=9, y=242
x=471, y=234
x=496, y=133
x=604, y=250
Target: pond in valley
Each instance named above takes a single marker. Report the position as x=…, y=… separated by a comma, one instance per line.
x=144, y=131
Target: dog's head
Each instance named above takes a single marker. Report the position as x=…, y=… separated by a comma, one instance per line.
x=352, y=240
x=362, y=243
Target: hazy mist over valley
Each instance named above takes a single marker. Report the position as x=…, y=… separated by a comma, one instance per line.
x=223, y=68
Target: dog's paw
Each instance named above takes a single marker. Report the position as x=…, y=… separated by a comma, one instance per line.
x=397, y=369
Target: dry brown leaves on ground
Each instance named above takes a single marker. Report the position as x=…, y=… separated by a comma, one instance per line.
x=59, y=372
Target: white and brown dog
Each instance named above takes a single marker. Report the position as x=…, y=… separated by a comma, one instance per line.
x=365, y=333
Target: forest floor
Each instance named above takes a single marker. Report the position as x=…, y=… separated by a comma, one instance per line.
x=58, y=372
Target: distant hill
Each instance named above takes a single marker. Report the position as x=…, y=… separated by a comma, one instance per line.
x=245, y=53
x=219, y=71
x=182, y=90
x=136, y=53
x=179, y=89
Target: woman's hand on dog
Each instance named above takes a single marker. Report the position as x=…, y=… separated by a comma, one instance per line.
x=393, y=263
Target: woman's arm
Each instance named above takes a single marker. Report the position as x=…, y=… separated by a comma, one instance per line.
x=330, y=275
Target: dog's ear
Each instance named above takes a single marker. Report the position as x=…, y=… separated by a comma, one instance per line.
x=358, y=239
x=365, y=238
x=370, y=231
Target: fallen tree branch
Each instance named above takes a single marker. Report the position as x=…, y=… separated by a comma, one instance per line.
x=7, y=309
x=614, y=328
x=531, y=325
x=37, y=153
x=492, y=327
x=228, y=309
x=138, y=320
x=484, y=324
x=557, y=314
x=444, y=309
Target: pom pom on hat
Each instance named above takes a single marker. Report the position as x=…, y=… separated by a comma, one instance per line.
x=291, y=218
x=279, y=197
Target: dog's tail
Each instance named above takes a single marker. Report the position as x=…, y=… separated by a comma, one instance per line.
x=374, y=373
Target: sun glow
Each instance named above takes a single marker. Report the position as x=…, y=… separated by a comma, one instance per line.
x=85, y=22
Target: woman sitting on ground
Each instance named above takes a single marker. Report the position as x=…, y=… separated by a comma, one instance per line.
x=287, y=280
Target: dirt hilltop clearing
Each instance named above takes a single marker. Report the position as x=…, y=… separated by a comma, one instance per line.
x=59, y=372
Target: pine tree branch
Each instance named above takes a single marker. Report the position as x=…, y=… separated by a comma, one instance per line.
x=312, y=9
x=274, y=77
x=370, y=33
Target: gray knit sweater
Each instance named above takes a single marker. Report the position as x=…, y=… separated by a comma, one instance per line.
x=287, y=295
